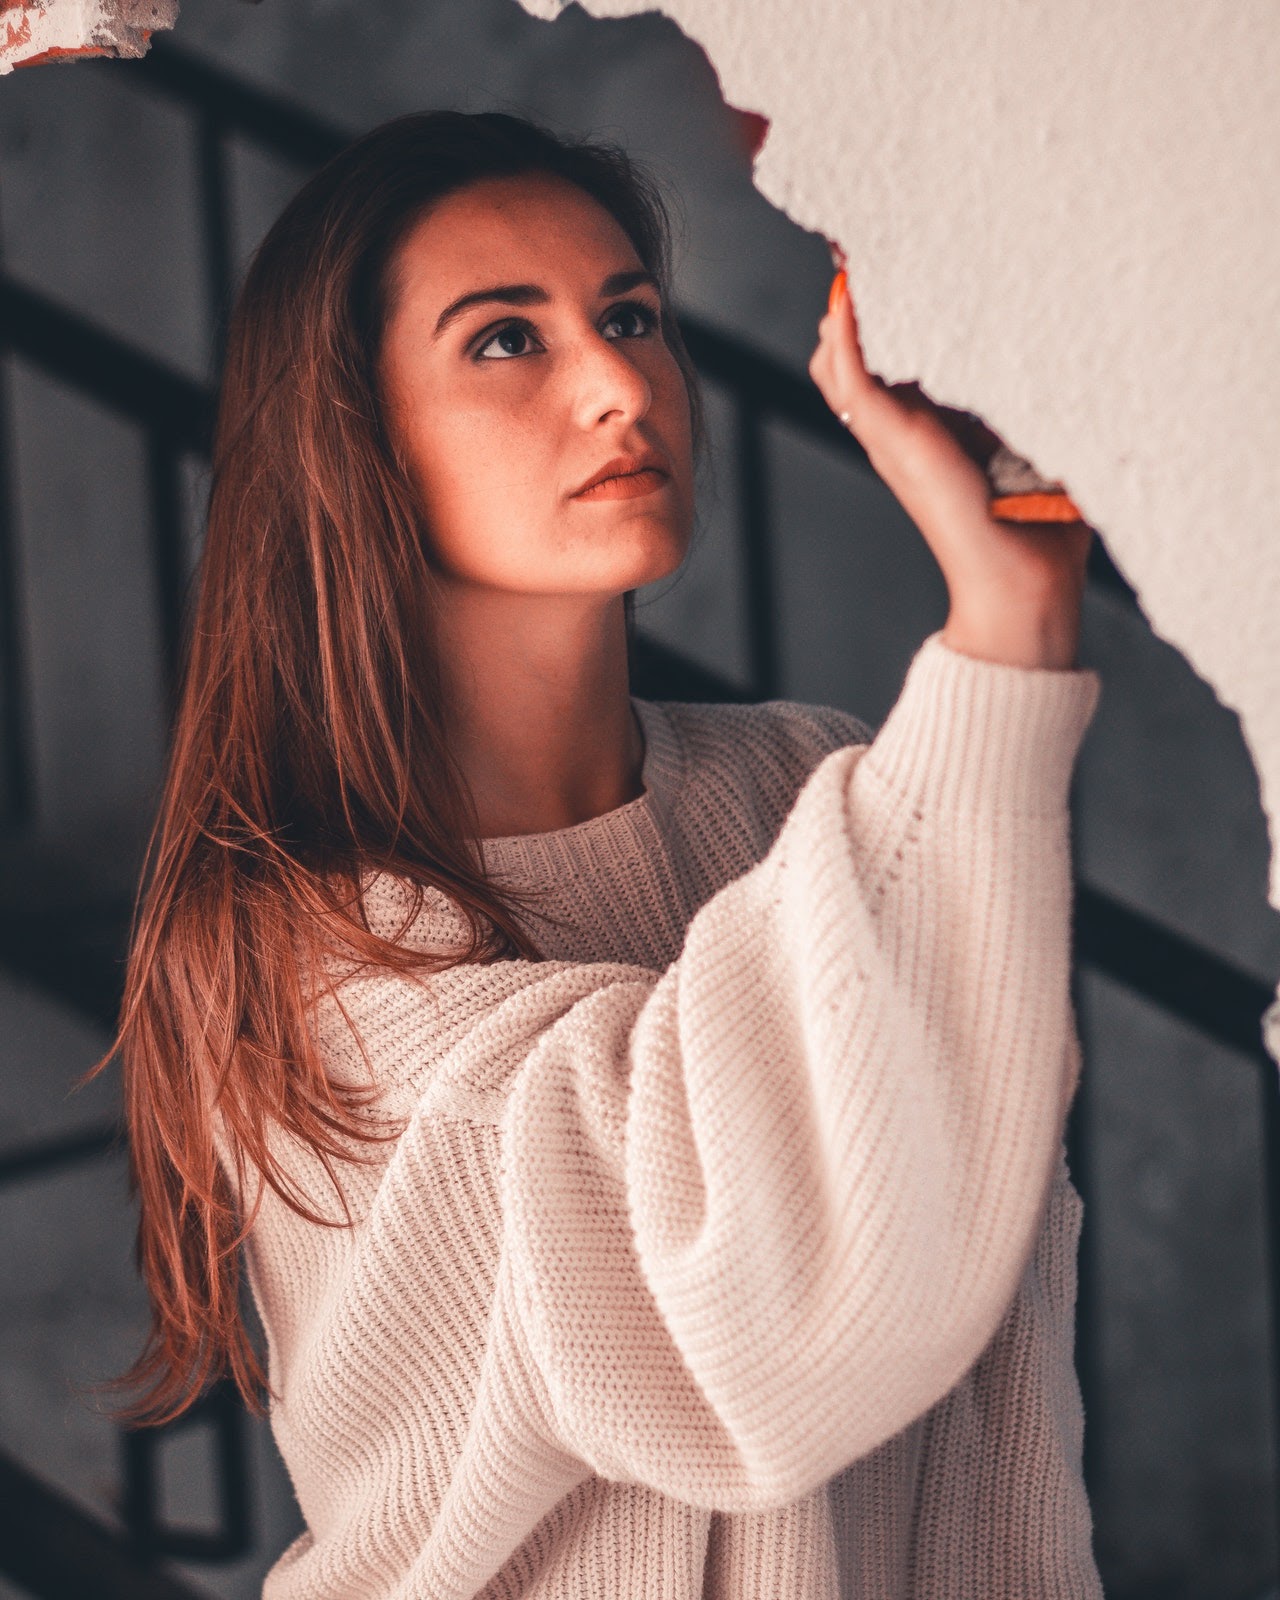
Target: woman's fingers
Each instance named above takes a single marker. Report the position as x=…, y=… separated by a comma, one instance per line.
x=902, y=431
x=863, y=401
x=838, y=332
x=873, y=411
x=933, y=460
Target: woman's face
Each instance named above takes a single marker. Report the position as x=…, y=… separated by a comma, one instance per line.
x=523, y=355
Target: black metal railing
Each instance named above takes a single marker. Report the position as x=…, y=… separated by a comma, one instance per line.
x=220, y=1415
x=175, y=413
x=52, y=1549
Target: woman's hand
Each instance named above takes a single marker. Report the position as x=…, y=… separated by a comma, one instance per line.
x=1015, y=589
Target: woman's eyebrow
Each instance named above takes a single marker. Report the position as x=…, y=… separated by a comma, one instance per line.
x=531, y=294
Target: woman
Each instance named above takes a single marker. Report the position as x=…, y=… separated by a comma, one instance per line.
x=641, y=1122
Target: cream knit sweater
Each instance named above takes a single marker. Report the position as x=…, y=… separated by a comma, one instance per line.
x=728, y=1253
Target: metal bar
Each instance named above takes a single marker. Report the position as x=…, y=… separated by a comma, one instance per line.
x=1182, y=978
x=660, y=673
x=215, y=218
x=221, y=1413
x=73, y=951
x=287, y=130
x=15, y=761
x=1104, y=575
x=47, y=1155
x=1270, y=1087
x=1191, y=983
x=757, y=563
x=1087, y=1298
x=74, y=350
x=774, y=389
x=231, y=1457
x=1087, y=1362
x=55, y=1551
x=1087, y=1355
x=15, y=746
x=168, y=554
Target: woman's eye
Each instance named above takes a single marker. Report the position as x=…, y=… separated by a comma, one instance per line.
x=637, y=310
x=512, y=338
x=510, y=335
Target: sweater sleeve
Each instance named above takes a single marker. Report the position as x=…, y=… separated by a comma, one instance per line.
x=763, y=1210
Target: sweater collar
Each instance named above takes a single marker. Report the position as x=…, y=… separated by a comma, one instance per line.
x=624, y=833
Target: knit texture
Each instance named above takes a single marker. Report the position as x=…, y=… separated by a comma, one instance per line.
x=727, y=1253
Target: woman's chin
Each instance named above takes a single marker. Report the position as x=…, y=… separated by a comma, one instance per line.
x=641, y=574
x=629, y=559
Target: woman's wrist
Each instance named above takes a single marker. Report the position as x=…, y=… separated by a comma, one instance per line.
x=966, y=736
x=1045, y=636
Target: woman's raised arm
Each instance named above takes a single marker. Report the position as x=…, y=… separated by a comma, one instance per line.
x=762, y=1211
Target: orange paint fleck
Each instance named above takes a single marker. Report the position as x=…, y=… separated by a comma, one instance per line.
x=59, y=52
x=1035, y=508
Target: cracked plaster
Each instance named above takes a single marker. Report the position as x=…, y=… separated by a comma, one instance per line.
x=38, y=31
x=1061, y=216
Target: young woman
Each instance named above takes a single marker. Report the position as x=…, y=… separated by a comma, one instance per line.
x=641, y=1122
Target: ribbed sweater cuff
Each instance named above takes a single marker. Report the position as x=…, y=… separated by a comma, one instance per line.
x=972, y=735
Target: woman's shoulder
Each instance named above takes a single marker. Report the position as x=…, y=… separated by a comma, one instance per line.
x=790, y=735
x=740, y=769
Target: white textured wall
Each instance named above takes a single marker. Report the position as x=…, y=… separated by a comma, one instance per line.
x=1062, y=214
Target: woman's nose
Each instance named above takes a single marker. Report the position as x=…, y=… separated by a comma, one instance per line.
x=608, y=380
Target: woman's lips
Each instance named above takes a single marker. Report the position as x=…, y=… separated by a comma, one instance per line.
x=626, y=487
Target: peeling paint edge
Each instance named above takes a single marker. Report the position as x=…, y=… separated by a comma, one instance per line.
x=69, y=30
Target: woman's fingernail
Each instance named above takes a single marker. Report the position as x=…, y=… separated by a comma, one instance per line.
x=838, y=287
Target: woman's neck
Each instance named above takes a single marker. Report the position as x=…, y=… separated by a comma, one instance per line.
x=541, y=720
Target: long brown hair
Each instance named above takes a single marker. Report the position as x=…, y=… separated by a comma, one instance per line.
x=308, y=744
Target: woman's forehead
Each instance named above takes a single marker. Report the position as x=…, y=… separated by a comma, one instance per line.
x=535, y=227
